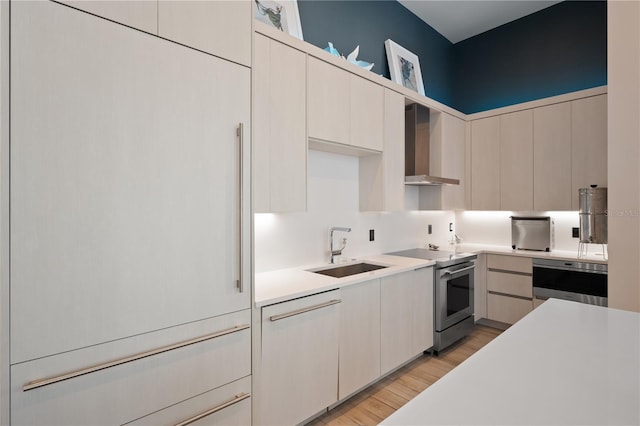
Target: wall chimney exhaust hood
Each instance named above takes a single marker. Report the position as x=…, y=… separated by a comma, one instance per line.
x=416, y=149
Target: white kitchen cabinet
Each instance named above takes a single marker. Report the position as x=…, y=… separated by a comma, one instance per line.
x=359, y=337
x=552, y=157
x=129, y=390
x=588, y=145
x=228, y=405
x=366, y=114
x=279, y=142
x=382, y=175
x=406, y=317
x=485, y=164
x=139, y=14
x=299, y=373
x=218, y=27
x=509, y=287
x=124, y=182
x=328, y=106
x=343, y=108
x=516, y=161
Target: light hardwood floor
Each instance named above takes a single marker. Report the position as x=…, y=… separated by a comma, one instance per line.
x=380, y=400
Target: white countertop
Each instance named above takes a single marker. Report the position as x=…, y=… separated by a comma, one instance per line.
x=565, y=363
x=286, y=284
x=554, y=254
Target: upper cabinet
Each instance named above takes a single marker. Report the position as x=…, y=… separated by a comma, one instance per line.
x=552, y=157
x=344, y=108
x=588, y=144
x=218, y=27
x=485, y=164
x=516, y=161
x=142, y=15
x=280, y=138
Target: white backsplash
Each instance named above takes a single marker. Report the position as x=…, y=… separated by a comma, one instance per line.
x=494, y=227
x=302, y=239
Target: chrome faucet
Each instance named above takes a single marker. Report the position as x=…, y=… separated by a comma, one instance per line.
x=337, y=252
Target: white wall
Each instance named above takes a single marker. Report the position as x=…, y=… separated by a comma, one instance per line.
x=494, y=227
x=623, y=68
x=302, y=239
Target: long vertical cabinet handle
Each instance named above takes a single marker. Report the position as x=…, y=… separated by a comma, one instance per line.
x=240, y=133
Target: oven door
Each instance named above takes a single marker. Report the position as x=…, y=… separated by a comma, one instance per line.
x=454, y=294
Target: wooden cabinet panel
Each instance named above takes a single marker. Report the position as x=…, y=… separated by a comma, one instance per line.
x=552, y=157
x=124, y=175
x=328, y=104
x=359, y=337
x=453, y=161
x=507, y=309
x=299, y=373
x=131, y=390
x=279, y=143
x=516, y=161
x=396, y=320
x=237, y=413
x=515, y=284
x=423, y=310
x=139, y=14
x=510, y=263
x=588, y=145
x=485, y=164
x=367, y=114
x=219, y=27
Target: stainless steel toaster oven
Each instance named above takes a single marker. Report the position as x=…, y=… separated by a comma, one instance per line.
x=531, y=233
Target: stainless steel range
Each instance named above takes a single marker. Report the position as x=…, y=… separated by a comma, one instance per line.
x=453, y=287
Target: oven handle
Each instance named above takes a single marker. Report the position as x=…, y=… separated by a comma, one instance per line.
x=449, y=272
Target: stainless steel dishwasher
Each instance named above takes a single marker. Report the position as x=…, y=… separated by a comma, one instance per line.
x=583, y=282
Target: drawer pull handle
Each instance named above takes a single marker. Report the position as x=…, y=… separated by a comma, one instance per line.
x=235, y=400
x=81, y=372
x=303, y=310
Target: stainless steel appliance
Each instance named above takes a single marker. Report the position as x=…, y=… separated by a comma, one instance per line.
x=453, y=293
x=531, y=233
x=570, y=280
x=593, y=218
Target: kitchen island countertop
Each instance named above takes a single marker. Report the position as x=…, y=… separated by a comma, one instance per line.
x=565, y=363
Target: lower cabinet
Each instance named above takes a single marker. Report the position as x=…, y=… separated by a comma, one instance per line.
x=406, y=317
x=128, y=379
x=299, y=374
x=359, y=337
x=509, y=288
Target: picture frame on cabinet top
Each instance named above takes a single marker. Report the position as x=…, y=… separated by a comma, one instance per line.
x=281, y=14
x=404, y=66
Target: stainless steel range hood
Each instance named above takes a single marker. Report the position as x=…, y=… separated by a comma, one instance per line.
x=417, y=147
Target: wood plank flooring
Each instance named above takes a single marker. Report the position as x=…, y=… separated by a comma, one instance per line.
x=380, y=400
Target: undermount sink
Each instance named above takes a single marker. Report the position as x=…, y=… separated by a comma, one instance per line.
x=347, y=270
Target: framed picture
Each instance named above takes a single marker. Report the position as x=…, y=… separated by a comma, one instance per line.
x=280, y=14
x=404, y=66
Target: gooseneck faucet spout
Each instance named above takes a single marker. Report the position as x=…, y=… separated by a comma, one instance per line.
x=336, y=252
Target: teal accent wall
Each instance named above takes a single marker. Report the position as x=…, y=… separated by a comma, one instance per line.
x=557, y=50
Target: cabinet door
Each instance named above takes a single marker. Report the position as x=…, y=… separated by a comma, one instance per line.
x=359, y=337
x=124, y=182
x=485, y=164
x=453, y=161
x=219, y=27
x=516, y=161
x=139, y=14
x=552, y=157
x=367, y=114
x=279, y=142
x=422, y=310
x=393, y=155
x=588, y=145
x=299, y=371
x=328, y=106
x=396, y=319
x=506, y=309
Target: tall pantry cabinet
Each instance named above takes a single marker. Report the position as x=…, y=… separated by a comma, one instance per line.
x=128, y=217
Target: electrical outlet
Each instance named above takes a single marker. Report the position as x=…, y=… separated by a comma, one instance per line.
x=429, y=229
x=575, y=232
x=450, y=226
x=371, y=235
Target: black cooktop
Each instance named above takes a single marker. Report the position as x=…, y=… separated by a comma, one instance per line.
x=443, y=258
